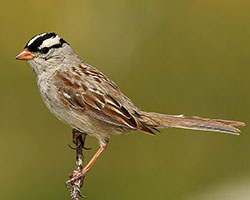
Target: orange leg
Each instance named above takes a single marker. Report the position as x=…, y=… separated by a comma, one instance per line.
x=93, y=159
x=79, y=175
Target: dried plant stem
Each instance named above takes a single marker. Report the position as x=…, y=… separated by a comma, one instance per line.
x=78, y=140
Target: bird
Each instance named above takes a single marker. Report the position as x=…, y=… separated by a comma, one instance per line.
x=84, y=98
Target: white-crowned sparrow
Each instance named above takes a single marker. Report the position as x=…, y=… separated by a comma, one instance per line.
x=83, y=97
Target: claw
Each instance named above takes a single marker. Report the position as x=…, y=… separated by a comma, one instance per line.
x=80, y=195
x=67, y=186
x=75, y=148
x=84, y=197
x=87, y=148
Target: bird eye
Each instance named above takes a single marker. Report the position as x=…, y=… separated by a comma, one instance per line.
x=45, y=50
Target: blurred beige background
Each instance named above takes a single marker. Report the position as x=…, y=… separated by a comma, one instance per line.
x=175, y=57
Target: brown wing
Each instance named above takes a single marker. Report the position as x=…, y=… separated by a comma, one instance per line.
x=97, y=97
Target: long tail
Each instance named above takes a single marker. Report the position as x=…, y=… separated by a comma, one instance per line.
x=156, y=120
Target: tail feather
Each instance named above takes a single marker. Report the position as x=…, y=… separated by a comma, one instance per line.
x=156, y=120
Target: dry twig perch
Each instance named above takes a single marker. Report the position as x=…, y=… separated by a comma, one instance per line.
x=75, y=189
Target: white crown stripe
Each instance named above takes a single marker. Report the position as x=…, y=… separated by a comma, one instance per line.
x=50, y=42
x=34, y=38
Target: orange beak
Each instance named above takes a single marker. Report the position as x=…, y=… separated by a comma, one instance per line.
x=25, y=55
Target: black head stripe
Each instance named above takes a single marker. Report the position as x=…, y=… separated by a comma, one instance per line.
x=62, y=41
x=34, y=46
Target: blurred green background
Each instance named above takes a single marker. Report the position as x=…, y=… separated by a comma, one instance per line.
x=174, y=57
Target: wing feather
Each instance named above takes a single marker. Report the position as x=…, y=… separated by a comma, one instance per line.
x=96, y=104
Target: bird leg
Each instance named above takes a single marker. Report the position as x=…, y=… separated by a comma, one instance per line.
x=79, y=175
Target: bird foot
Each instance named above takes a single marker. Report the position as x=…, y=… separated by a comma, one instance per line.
x=75, y=176
x=75, y=183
